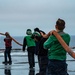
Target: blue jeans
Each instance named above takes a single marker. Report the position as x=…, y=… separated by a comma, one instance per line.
x=7, y=54
x=56, y=67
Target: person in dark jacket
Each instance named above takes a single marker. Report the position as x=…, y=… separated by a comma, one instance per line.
x=42, y=53
x=30, y=43
x=8, y=46
x=37, y=42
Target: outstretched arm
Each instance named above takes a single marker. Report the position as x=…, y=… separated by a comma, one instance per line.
x=2, y=34
x=12, y=39
x=46, y=35
x=16, y=41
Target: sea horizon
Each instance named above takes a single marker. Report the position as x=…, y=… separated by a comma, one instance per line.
x=20, y=40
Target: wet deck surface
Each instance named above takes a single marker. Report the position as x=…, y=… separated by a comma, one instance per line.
x=20, y=65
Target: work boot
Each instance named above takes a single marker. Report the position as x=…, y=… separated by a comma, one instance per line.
x=4, y=62
x=9, y=62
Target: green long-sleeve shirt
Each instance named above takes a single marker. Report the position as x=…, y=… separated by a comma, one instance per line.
x=55, y=49
x=28, y=41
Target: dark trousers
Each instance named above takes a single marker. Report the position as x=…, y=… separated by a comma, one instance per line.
x=43, y=62
x=56, y=67
x=31, y=59
x=31, y=72
x=7, y=54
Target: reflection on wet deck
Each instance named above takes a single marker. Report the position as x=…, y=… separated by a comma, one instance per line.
x=20, y=65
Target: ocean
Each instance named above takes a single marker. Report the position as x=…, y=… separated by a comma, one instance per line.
x=20, y=40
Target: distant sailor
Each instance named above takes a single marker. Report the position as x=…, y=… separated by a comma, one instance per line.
x=8, y=46
x=30, y=43
x=56, y=53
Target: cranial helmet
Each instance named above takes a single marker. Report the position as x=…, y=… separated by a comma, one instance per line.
x=28, y=32
x=36, y=34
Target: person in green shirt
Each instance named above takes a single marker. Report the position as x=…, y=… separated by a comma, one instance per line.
x=56, y=53
x=30, y=43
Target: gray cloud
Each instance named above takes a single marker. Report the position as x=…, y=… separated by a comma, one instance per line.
x=31, y=13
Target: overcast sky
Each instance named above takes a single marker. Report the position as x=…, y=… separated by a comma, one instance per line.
x=18, y=15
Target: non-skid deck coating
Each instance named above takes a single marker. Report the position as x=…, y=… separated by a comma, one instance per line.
x=20, y=65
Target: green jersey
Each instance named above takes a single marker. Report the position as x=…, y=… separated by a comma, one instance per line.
x=55, y=49
x=30, y=42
